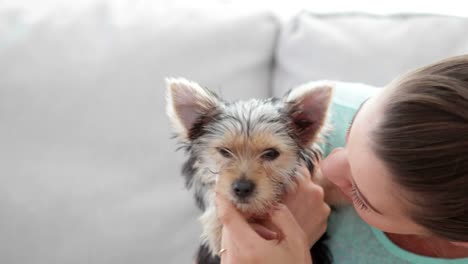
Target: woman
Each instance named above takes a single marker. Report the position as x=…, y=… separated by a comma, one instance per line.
x=404, y=167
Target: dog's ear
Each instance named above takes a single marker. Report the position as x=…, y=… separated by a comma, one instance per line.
x=187, y=104
x=307, y=107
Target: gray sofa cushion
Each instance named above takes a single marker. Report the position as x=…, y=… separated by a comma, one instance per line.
x=363, y=48
x=88, y=172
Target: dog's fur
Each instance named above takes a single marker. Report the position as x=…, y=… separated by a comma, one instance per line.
x=259, y=142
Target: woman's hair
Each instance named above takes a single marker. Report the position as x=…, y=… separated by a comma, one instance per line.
x=423, y=140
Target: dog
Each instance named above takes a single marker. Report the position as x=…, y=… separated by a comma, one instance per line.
x=249, y=151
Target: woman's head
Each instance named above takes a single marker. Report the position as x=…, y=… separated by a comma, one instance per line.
x=406, y=158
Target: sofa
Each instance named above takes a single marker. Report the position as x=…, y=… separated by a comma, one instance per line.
x=89, y=172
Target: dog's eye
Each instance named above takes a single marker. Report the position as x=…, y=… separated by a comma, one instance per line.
x=270, y=154
x=225, y=152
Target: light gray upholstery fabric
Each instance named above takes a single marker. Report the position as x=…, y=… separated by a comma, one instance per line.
x=88, y=172
x=363, y=48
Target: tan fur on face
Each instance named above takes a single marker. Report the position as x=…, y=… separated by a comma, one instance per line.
x=247, y=163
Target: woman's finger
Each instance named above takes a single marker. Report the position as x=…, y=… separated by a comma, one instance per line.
x=228, y=246
x=233, y=221
x=265, y=232
x=285, y=221
x=304, y=171
x=302, y=175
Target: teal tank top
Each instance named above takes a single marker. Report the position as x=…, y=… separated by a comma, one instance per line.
x=352, y=241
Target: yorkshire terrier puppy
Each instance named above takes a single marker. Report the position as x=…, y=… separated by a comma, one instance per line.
x=249, y=151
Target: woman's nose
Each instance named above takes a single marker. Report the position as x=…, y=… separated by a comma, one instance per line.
x=336, y=168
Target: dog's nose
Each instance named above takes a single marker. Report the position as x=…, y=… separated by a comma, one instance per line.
x=243, y=188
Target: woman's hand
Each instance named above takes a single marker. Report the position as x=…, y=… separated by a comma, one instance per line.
x=307, y=205
x=242, y=244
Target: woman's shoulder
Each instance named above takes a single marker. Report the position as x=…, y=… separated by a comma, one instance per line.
x=351, y=95
x=347, y=97
x=352, y=241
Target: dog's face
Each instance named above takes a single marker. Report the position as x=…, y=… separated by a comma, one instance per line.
x=248, y=151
